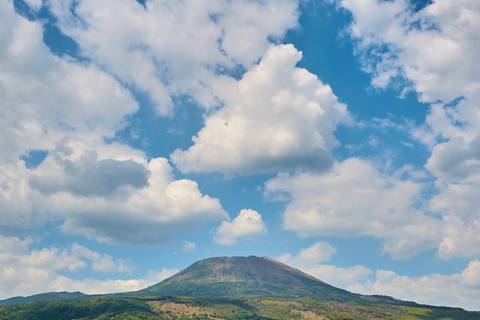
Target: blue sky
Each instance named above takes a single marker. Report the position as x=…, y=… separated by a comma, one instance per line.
x=338, y=136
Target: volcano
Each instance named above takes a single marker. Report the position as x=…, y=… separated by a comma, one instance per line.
x=259, y=277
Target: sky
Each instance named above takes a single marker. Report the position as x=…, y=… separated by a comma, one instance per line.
x=341, y=137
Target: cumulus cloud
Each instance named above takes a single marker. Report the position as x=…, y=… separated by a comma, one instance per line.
x=422, y=47
x=319, y=252
x=277, y=116
x=34, y=4
x=102, y=262
x=419, y=50
x=27, y=271
x=150, y=214
x=456, y=160
x=354, y=199
x=168, y=49
x=309, y=259
x=187, y=246
x=16, y=213
x=45, y=98
x=89, y=176
x=92, y=286
x=247, y=225
x=460, y=289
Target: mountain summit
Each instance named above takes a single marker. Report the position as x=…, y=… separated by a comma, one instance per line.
x=245, y=277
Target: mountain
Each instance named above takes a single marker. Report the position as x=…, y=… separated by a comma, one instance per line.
x=230, y=288
x=245, y=277
x=233, y=278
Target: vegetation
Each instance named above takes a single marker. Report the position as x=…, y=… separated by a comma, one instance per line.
x=231, y=289
x=179, y=308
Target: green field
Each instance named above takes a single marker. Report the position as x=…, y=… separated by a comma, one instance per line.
x=150, y=308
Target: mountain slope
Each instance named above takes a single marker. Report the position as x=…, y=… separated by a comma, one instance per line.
x=245, y=277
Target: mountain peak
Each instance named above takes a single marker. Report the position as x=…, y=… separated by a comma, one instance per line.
x=244, y=277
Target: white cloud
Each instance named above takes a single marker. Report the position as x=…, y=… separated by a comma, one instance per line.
x=276, y=117
x=45, y=101
x=471, y=275
x=107, y=192
x=34, y=4
x=460, y=289
x=460, y=238
x=308, y=260
x=354, y=199
x=150, y=214
x=25, y=271
x=87, y=175
x=46, y=98
x=102, y=262
x=169, y=49
x=16, y=212
x=247, y=225
x=187, y=246
x=340, y=277
x=459, y=204
x=434, y=50
x=92, y=286
x=422, y=47
x=319, y=252
x=456, y=160
x=67, y=109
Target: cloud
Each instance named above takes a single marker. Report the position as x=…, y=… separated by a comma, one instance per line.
x=46, y=98
x=25, y=271
x=456, y=160
x=68, y=109
x=172, y=49
x=354, y=199
x=102, y=262
x=148, y=215
x=309, y=259
x=460, y=289
x=247, y=225
x=92, y=286
x=16, y=213
x=34, y=4
x=276, y=117
x=422, y=47
x=187, y=246
x=89, y=176
x=319, y=252
x=419, y=50
x=109, y=193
